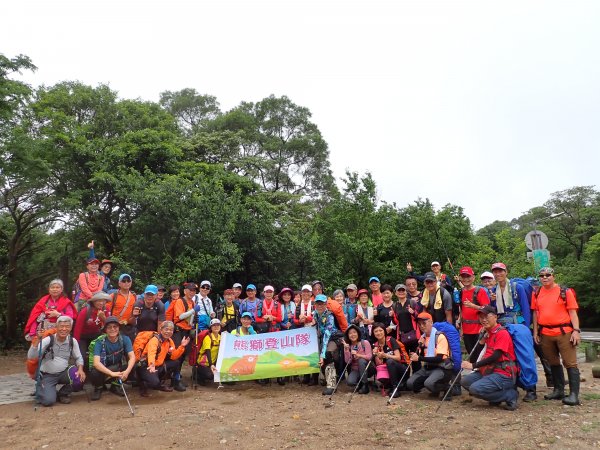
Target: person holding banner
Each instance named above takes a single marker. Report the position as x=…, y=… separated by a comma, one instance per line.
x=288, y=309
x=304, y=309
x=268, y=315
x=207, y=356
x=246, y=328
x=329, y=336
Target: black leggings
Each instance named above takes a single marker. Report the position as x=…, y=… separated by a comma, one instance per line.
x=152, y=380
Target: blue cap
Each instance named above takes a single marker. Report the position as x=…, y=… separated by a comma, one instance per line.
x=151, y=289
x=123, y=275
x=247, y=314
x=374, y=279
x=321, y=298
x=251, y=286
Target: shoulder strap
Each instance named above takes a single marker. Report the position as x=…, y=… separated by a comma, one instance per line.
x=50, y=348
x=475, y=301
x=563, y=293
x=88, y=313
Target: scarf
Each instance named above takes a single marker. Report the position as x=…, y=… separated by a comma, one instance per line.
x=306, y=309
x=438, y=299
x=431, y=343
x=503, y=298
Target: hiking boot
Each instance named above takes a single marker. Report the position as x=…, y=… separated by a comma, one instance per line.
x=574, y=378
x=531, y=395
x=364, y=388
x=144, y=390
x=330, y=378
x=510, y=405
x=281, y=381
x=448, y=397
x=456, y=390
x=117, y=390
x=97, y=393
x=328, y=391
x=559, y=384
x=178, y=386
x=164, y=388
x=65, y=399
x=494, y=403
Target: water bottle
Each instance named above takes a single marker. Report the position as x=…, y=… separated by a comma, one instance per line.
x=456, y=296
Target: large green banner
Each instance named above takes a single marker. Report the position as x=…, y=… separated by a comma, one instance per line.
x=269, y=355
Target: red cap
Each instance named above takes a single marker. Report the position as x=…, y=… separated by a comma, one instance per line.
x=362, y=291
x=499, y=265
x=424, y=316
x=229, y=292
x=466, y=270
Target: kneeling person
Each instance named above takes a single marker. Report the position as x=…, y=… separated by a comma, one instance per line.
x=209, y=350
x=113, y=359
x=329, y=336
x=495, y=375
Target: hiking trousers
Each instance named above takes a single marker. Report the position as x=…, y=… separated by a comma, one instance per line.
x=494, y=387
x=556, y=347
x=152, y=380
x=47, y=390
x=354, y=375
x=434, y=380
x=98, y=378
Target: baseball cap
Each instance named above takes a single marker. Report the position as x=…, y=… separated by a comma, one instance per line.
x=125, y=275
x=160, y=287
x=466, y=270
x=546, y=269
x=236, y=285
x=250, y=287
x=424, y=316
x=228, y=292
x=215, y=322
x=109, y=320
x=399, y=286
x=487, y=309
x=429, y=276
x=268, y=288
x=435, y=263
x=307, y=287
x=486, y=275
x=499, y=265
x=247, y=314
x=92, y=261
x=190, y=286
x=321, y=298
x=362, y=291
x=151, y=289
x=374, y=279
x=352, y=287
x=206, y=283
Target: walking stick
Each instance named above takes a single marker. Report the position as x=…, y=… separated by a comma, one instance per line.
x=398, y=385
x=126, y=398
x=359, y=381
x=330, y=404
x=195, y=366
x=38, y=375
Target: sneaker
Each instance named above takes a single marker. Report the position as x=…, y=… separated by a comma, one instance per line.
x=510, y=406
x=65, y=399
x=531, y=396
x=165, y=388
x=179, y=387
x=281, y=381
x=97, y=393
x=328, y=391
x=117, y=390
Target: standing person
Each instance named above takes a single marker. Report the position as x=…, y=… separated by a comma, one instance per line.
x=90, y=321
x=304, y=309
x=392, y=353
x=245, y=329
x=412, y=292
x=435, y=300
x=113, y=359
x=376, y=295
x=489, y=283
x=148, y=312
x=556, y=328
x=288, y=309
x=434, y=354
x=405, y=318
x=495, y=374
x=385, y=311
x=160, y=296
x=511, y=300
x=88, y=283
x=269, y=312
x=443, y=280
x=56, y=350
x=52, y=306
x=350, y=304
x=250, y=303
x=333, y=306
x=121, y=305
x=173, y=294
x=329, y=335
x=365, y=314
x=207, y=356
x=106, y=269
x=203, y=306
x=160, y=360
x=472, y=300
x=229, y=313
x=359, y=353
x=237, y=294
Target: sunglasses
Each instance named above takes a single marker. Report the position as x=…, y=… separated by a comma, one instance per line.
x=126, y=280
x=545, y=275
x=401, y=290
x=205, y=287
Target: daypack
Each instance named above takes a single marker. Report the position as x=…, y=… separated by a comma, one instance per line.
x=523, y=344
x=474, y=300
x=338, y=313
x=103, y=356
x=453, y=337
x=141, y=342
x=527, y=284
x=32, y=363
x=195, y=345
x=169, y=314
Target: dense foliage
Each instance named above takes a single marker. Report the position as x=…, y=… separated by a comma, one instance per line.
x=179, y=190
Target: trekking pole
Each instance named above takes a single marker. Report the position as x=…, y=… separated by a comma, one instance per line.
x=330, y=404
x=359, y=381
x=38, y=374
x=126, y=397
x=195, y=366
x=458, y=374
x=389, y=401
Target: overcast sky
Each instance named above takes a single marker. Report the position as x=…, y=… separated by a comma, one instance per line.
x=491, y=106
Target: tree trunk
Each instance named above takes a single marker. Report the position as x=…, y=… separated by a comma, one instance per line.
x=11, y=305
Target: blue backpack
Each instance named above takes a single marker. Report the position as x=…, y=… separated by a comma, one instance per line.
x=453, y=337
x=523, y=344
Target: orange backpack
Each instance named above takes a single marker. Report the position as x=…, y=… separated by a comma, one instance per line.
x=32, y=363
x=170, y=313
x=141, y=342
x=338, y=313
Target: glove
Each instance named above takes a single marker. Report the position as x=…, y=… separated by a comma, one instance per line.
x=197, y=308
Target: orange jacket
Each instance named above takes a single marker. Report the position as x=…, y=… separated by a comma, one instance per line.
x=119, y=301
x=179, y=308
x=157, y=356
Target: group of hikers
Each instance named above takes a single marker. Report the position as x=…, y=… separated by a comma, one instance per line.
x=395, y=339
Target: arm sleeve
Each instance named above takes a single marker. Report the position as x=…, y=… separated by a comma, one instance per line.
x=368, y=350
x=33, y=352
x=77, y=353
x=489, y=360
x=476, y=352
x=482, y=297
x=446, y=299
x=571, y=300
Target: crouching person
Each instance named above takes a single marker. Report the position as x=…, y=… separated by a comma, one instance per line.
x=56, y=351
x=357, y=353
x=113, y=359
x=494, y=376
x=160, y=360
x=209, y=350
x=434, y=354
x=328, y=342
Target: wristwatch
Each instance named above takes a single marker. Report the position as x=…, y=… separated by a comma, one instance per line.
x=577, y=329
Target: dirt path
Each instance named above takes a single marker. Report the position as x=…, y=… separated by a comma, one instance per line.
x=251, y=416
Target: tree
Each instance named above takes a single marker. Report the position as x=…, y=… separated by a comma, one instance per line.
x=192, y=110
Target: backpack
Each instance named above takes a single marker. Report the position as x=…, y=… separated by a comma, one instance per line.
x=32, y=363
x=523, y=344
x=195, y=348
x=338, y=313
x=169, y=314
x=563, y=292
x=527, y=284
x=103, y=355
x=474, y=300
x=141, y=342
x=453, y=337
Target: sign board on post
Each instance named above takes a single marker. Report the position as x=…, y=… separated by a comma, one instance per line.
x=536, y=239
x=541, y=258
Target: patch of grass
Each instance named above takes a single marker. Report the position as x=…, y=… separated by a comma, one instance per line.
x=397, y=412
x=587, y=427
x=590, y=396
x=379, y=436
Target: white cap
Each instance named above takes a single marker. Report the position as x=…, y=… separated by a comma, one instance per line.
x=435, y=263
x=307, y=287
x=237, y=285
x=486, y=275
x=268, y=287
x=215, y=322
x=206, y=282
